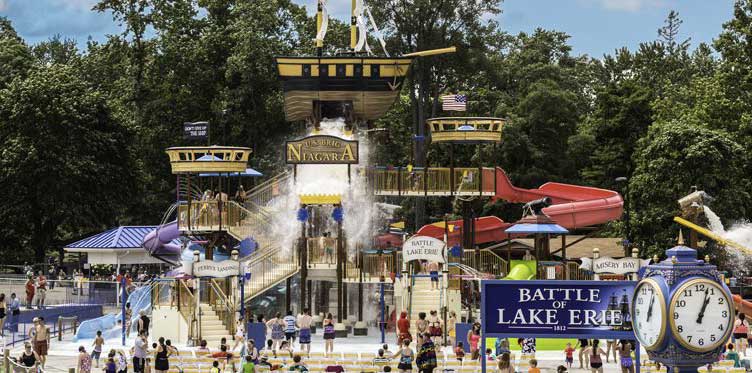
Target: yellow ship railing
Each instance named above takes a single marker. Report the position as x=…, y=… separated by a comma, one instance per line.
x=465, y=129
x=434, y=181
x=197, y=159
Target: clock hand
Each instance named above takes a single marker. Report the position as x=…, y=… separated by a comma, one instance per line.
x=704, y=306
x=650, y=308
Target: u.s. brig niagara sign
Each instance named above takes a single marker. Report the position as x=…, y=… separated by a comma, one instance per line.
x=321, y=149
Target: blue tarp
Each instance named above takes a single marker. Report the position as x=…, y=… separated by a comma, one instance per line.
x=527, y=228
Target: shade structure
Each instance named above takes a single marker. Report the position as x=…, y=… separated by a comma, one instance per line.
x=249, y=172
x=535, y=228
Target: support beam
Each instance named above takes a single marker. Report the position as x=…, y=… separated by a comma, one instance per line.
x=303, y=250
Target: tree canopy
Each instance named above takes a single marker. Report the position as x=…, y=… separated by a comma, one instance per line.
x=83, y=132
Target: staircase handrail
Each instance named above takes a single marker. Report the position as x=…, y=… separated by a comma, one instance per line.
x=256, y=192
x=186, y=304
x=225, y=308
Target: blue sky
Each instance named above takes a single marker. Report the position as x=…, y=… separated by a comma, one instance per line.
x=596, y=26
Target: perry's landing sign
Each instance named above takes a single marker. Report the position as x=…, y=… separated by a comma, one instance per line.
x=321, y=149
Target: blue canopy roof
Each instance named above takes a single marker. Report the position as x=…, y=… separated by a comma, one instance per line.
x=249, y=172
x=125, y=237
x=208, y=158
x=527, y=228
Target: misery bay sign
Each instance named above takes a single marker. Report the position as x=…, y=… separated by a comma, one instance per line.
x=321, y=149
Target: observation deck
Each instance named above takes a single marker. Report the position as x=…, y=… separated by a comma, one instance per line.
x=466, y=130
x=198, y=159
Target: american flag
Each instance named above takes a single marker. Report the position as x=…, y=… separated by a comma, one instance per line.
x=454, y=102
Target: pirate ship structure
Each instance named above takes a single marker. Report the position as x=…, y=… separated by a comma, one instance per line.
x=354, y=84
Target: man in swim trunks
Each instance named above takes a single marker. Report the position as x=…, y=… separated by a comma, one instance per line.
x=41, y=340
x=304, y=324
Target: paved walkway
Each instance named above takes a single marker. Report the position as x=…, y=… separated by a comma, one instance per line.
x=63, y=354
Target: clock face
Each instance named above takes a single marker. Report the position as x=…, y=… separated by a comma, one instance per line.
x=649, y=313
x=701, y=315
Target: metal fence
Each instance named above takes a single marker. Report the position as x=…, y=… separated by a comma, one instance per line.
x=74, y=291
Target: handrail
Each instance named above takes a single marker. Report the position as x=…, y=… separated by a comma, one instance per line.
x=488, y=262
x=263, y=193
x=37, y=368
x=222, y=305
x=187, y=307
x=433, y=181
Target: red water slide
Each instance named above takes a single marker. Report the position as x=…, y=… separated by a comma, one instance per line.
x=573, y=206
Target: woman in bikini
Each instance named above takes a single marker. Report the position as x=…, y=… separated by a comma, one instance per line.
x=434, y=327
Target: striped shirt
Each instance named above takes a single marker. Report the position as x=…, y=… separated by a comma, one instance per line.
x=289, y=324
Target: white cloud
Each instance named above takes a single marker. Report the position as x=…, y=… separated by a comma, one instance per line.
x=628, y=5
x=3, y=5
x=79, y=5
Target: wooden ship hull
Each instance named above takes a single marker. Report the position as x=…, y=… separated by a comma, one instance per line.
x=369, y=84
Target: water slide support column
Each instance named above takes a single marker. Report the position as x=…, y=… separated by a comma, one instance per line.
x=303, y=249
x=340, y=264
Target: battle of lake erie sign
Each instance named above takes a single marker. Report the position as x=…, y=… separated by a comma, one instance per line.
x=321, y=149
x=550, y=308
x=423, y=248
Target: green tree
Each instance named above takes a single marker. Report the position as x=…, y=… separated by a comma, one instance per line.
x=65, y=168
x=15, y=57
x=672, y=157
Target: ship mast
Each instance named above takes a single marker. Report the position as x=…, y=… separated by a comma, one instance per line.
x=353, y=26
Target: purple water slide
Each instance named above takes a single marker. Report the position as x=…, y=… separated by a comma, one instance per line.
x=159, y=241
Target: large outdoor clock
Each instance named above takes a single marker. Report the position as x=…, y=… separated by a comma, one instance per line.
x=702, y=314
x=649, y=313
x=682, y=311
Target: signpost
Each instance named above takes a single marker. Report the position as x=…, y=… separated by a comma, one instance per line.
x=610, y=265
x=196, y=130
x=423, y=248
x=210, y=268
x=556, y=309
x=321, y=149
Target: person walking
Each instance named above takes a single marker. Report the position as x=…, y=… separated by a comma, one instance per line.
x=473, y=338
x=139, y=351
x=41, y=340
x=96, y=353
x=583, y=345
x=143, y=323
x=403, y=329
x=304, y=322
x=421, y=328
x=161, y=357
x=405, y=356
x=426, y=359
x=434, y=327
x=3, y=308
x=625, y=357
x=289, y=327
x=741, y=333
x=128, y=318
x=277, y=326
x=596, y=362
x=84, y=360
x=328, y=335
x=41, y=290
x=30, y=290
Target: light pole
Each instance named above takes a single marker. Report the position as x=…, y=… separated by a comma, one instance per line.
x=627, y=241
